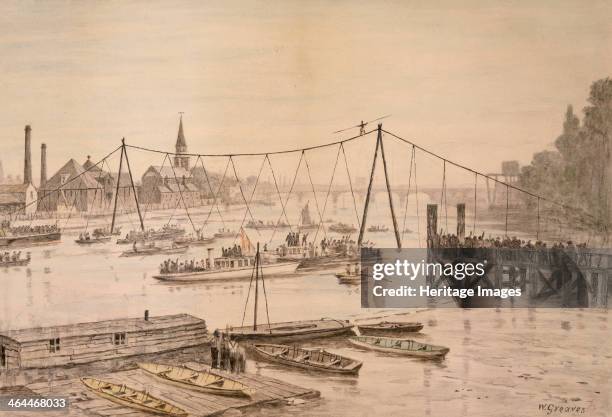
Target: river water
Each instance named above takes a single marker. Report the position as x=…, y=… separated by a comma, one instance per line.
x=502, y=362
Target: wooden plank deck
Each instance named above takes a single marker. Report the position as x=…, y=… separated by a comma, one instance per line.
x=268, y=391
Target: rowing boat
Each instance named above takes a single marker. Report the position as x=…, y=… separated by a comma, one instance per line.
x=311, y=359
x=154, y=250
x=129, y=397
x=386, y=328
x=291, y=330
x=344, y=278
x=399, y=346
x=101, y=239
x=202, y=381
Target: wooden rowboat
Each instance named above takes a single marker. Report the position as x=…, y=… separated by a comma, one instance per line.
x=387, y=328
x=311, y=359
x=202, y=381
x=291, y=331
x=400, y=346
x=132, y=398
x=90, y=241
x=344, y=278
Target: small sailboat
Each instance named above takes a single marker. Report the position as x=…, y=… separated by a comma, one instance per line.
x=306, y=222
x=387, y=328
x=311, y=359
x=132, y=398
x=404, y=347
x=203, y=381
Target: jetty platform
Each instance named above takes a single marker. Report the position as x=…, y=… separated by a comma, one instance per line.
x=269, y=391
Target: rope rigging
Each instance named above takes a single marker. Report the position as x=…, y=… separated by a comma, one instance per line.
x=280, y=198
x=251, y=198
x=242, y=193
x=314, y=193
x=216, y=195
x=408, y=193
x=327, y=196
x=348, y=174
x=475, y=203
x=416, y=196
x=212, y=193
x=178, y=185
x=297, y=170
x=488, y=177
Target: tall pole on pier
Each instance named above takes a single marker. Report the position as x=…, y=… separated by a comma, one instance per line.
x=367, y=200
x=127, y=161
x=112, y=229
x=382, y=152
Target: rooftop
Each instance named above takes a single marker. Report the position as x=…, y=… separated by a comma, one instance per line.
x=101, y=327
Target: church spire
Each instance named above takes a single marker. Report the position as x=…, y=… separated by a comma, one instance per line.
x=181, y=160
x=181, y=143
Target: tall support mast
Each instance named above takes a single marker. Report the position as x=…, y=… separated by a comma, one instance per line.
x=382, y=152
x=112, y=229
x=127, y=161
x=367, y=201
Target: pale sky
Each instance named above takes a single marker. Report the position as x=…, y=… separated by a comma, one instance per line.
x=478, y=81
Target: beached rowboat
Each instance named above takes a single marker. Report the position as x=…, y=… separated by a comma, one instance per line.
x=311, y=359
x=202, y=381
x=399, y=346
x=386, y=328
x=129, y=397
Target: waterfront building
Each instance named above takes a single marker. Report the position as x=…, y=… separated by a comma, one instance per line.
x=82, y=343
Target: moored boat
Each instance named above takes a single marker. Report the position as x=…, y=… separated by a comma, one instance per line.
x=194, y=240
x=225, y=233
x=342, y=228
x=348, y=278
x=132, y=398
x=92, y=240
x=291, y=330
x=396, y=346
x=152, y=249
x=203, y=381
x=228, y=268
x=260, y=225
x=26, y=239
x=311, y=359
x=386, y=328
x=378, y=229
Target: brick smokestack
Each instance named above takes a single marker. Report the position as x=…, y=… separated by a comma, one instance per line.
x=27, y=164
x=43, y=164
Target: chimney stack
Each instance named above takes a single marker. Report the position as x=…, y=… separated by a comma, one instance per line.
x=27, y=164
x=43, y=164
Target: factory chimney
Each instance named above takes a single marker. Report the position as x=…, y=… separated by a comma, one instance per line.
x=43, y=164
x=27, y=164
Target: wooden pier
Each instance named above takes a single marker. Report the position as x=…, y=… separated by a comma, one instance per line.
x=269, y=391
x=571, y=277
